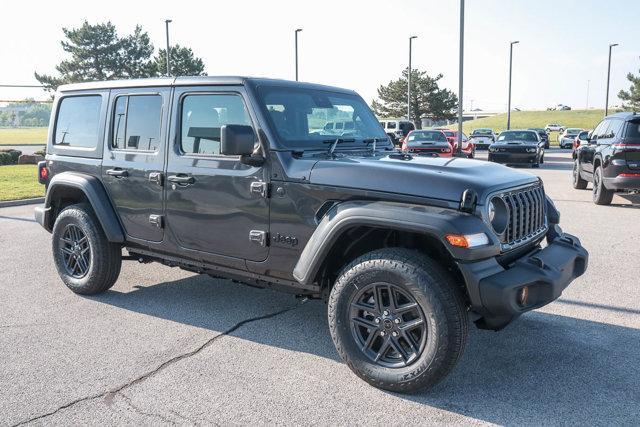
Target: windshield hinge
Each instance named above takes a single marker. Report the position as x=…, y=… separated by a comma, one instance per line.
x=261, y=188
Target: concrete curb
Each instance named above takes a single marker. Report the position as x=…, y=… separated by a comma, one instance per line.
x=8, y=203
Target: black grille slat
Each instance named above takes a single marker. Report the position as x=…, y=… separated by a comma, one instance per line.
x=526, y=210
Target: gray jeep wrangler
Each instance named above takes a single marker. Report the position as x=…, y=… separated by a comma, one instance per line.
x=240, y=178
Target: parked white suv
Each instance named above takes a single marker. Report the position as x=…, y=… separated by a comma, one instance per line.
x=554, y=127
x=397, y=129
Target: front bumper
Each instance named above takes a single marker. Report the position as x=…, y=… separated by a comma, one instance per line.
x=512, y=158
x=494, y=289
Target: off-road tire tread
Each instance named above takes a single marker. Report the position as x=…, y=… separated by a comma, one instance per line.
x=453, y=311
x=106, y=256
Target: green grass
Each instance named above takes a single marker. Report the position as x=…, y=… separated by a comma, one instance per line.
x=17, y=136
x=584, y=119
x=19, y=182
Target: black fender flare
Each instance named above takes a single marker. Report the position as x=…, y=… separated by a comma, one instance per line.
x=433, y=221
x=95, y=193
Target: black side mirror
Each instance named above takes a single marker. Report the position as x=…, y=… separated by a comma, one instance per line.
x=237, y=140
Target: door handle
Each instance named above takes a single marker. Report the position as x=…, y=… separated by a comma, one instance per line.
x=118, y=173
x=181, y=179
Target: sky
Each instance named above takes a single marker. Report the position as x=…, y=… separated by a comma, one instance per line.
x=361, y=44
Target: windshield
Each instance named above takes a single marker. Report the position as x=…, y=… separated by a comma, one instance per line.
x=573, y=131
x=528, y=136
x=449, y=133
x=427, y=135
x=306, y=118
x=481, y=132
x=633, y=129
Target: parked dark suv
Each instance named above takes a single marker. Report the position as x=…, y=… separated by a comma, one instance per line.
x=238, y=178
x=610, y=158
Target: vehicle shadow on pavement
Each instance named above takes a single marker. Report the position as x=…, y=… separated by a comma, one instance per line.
x=543, y=368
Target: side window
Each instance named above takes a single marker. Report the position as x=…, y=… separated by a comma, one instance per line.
x=136, y=122
x=202, y=118
x=78, y=121
x=615, y=130
x=598, y=132
x=391, y=125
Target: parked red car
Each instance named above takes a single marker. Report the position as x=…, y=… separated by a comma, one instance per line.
x=468, y=147
x=427, y=142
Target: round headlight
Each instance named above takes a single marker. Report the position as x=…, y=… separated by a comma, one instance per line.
x=498, y=215
x=492, y=211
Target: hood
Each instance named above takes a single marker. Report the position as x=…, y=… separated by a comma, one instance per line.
x=431, y=177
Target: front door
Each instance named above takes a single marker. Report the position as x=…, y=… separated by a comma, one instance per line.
x=133, y=159
x=214, y=203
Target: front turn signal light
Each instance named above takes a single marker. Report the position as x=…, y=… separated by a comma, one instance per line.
x=467, y=240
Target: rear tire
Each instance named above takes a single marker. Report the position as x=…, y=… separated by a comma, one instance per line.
x=406, y=345
x=578, y=182
x=86, y=261
x=601, y=196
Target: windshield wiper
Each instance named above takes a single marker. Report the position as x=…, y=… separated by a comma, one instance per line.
x=374, y=141
x=334, y=143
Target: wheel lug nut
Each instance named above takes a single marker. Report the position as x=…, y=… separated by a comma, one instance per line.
x=386, y=313
x=397, y=321
x=394, y=333
x=382, y=333
x=377, y=320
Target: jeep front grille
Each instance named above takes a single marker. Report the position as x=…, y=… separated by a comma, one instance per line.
x=527, y=215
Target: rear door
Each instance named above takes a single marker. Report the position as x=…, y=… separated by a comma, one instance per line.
x=133, y=159
x=215, y=208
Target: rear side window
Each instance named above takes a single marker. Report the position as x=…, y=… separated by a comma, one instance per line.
x=391, y=125
x=78, y=121
x=202, y=118
x=136, y=123
x=615, y=130
x=633, y=129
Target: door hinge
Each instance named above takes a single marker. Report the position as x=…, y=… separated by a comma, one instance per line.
x=156, y=220
x=156, y=177
x=259, y=237
x=261, y=188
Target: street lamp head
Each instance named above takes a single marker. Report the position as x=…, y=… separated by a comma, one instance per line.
x=413, y=37
x=298, y=30
x=515, y=42
x=613, y=44
x=168, y=21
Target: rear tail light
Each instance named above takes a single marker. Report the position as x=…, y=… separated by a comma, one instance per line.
x=43, y=172
x=629, y=175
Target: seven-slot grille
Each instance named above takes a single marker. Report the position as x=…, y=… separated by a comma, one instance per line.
x=527, y=217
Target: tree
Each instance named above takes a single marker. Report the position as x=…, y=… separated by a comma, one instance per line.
x=95, y=55
x=98, y=53
x=427, y=99
x=183, y=62
x=631, y=98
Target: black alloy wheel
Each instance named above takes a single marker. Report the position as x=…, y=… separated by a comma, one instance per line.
x=388, y=325
x=75, y=251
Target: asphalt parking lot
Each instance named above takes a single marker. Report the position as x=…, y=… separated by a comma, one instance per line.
x=167, y=346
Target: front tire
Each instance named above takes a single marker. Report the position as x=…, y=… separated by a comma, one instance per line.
x=398, y=320
x=578, y=182
x=86, y=261
x=601, y=196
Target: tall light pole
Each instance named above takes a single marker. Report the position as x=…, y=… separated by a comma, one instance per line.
x=166, y=23
x=296, y=37
x=409, y=81
x=606, y=104
x=588, y=83
x=460, y=79
x=510, y=66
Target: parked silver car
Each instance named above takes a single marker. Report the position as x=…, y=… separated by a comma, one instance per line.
x=566, y=138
